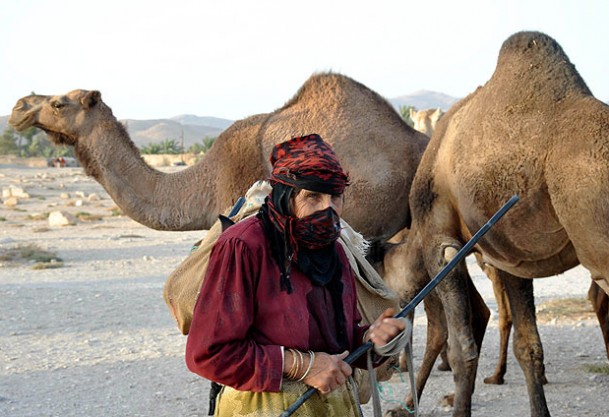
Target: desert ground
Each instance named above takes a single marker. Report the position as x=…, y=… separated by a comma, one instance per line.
x=90, y=335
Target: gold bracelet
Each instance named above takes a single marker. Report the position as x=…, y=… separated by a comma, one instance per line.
x=297, y=364
x=311, y=359
x=300, y=364
x=291, y=371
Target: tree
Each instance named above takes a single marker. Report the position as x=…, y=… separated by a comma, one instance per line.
x=168, y=146
x=8, y=142
x=202, y=147
x=405, y=113
x=25, y=139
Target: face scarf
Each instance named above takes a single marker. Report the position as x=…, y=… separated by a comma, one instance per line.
x=314, y=231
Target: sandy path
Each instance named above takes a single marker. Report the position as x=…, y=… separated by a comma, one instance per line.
x=95, y=338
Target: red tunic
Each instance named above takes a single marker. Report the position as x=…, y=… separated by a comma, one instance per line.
x=242, y=318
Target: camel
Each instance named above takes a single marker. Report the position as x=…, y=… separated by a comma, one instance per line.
x=378, y=149
x=535, y=130
x=425, y=120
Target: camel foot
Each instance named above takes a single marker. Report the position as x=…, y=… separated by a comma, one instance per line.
x=448, y=400
x=398, y=412
x=494, y=380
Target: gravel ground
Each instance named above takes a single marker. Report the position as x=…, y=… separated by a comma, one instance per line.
x=94, y=337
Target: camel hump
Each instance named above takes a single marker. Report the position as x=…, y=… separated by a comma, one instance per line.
x=537, y=42
x=538, y=58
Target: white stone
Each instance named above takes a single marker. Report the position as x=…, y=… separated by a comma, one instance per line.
x=61, y=218
x=11, y=202
x=13, y=191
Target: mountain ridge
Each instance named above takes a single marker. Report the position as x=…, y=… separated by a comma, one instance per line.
x=188, y=129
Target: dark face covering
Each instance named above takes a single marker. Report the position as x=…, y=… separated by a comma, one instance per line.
x=315, y=231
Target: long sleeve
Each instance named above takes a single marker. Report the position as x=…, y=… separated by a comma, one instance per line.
x=220, y=346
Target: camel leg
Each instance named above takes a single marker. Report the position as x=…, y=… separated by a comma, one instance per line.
x=437, y=336
x=435, y=333
x=505, y=326
x=466, y=330
x=444, y=364
x=527, y=343
x=600, y=304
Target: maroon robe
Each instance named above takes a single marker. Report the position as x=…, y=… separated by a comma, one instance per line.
x=242, y=318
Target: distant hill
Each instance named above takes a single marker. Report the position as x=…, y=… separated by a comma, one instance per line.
x=191, y=119
x=424, y=99
x=189, y=128
x=143, y=132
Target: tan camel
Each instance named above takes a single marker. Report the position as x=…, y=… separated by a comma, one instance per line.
x=534, y=129
x=425, y=120
x=376, y=147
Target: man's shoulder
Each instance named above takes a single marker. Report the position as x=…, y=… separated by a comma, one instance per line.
x=248, y=230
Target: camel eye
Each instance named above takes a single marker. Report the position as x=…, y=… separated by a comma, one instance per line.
x=57, y=105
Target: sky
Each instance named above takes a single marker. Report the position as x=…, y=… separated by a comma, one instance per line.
x=235, y=58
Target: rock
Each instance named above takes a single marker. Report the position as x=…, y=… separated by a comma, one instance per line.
x=11, y=202
x=64, y=196
x=12, y=191
x=61, y=218
x=93, y=197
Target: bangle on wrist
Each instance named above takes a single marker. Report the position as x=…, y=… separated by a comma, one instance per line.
x=311, y=360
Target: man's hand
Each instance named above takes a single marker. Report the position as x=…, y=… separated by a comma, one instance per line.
x=385, y=328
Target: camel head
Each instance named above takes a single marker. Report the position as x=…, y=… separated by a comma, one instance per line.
x=425, y=120
x=64, y=118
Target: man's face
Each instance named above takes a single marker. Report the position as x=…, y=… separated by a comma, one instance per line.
x=308, y=202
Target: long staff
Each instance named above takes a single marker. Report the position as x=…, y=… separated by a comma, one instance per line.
x=462, y=253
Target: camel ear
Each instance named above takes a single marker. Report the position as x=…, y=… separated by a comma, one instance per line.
x=90, y=99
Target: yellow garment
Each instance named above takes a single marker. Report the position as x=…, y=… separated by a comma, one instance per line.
x=339, y=403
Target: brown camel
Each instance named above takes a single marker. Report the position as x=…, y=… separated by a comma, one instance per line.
x=378, y=149
x=534, y=129
x=425, y=122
